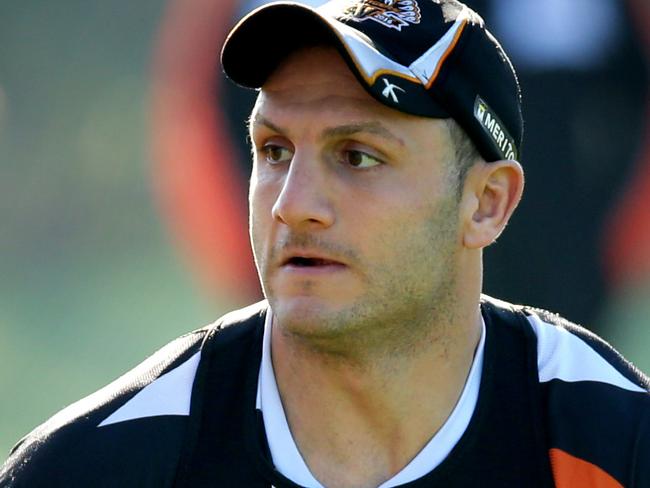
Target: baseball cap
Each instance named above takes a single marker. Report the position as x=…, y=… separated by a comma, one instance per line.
x=432, y=58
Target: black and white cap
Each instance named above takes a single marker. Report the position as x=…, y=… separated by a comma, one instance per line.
x=432, y=58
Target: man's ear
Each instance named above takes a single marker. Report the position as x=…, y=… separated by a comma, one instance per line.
x=490, y=195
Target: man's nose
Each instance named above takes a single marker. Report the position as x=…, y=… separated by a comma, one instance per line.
x=304, y=200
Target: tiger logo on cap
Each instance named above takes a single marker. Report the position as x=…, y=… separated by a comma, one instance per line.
x=390, y=13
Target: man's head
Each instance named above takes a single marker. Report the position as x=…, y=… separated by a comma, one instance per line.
x=432, y=58
x=359, y=219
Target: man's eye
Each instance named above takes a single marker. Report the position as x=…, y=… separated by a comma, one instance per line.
x=277, y=154
x=360, y=159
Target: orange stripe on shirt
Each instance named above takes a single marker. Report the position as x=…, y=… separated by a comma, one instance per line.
x=572, y=472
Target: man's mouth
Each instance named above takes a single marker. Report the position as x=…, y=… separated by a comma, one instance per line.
x=305, y=262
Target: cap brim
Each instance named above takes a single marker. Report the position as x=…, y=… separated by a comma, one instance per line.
x=265, y=37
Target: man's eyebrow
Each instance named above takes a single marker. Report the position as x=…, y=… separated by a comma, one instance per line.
x=258, y=119
x=372, y=127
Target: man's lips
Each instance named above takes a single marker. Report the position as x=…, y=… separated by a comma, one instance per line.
x=302, y=259
x=304, y=267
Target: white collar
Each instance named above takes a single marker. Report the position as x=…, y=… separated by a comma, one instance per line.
x=288, y=460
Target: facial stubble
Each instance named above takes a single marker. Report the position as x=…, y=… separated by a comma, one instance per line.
x=408, y=301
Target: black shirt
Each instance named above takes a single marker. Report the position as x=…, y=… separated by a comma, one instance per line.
x=557, y=407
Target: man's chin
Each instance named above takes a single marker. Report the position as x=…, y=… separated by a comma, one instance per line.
x=308, y=315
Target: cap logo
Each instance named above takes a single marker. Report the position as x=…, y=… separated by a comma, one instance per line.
x=495, y=129
x=389, y=91
x=390, y=13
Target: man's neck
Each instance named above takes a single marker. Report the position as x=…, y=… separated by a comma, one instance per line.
x=359, y=420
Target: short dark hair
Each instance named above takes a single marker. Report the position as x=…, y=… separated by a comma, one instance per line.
x=465, y=153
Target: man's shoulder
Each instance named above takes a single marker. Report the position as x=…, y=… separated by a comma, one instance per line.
x=567, y=351
x=238, y=324
x=595, y=404
x=131, y=431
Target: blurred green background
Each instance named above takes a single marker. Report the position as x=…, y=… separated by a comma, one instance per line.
x=89, y=283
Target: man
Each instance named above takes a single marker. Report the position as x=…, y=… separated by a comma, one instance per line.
x=385, y=139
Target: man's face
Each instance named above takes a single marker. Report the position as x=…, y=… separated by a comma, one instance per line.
x=353, y=209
